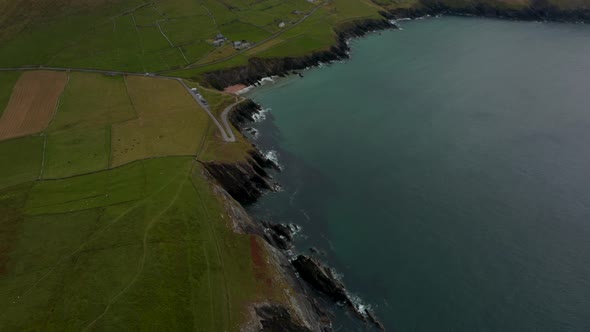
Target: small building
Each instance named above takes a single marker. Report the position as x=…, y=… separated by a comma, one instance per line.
x=218, y=42
x=241, y=44
x=282, y=25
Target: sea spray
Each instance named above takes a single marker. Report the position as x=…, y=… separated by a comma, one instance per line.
x=261, y=115
x=273, y=156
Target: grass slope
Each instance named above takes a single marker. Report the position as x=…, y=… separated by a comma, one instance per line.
x=20, y=160
x=7, y=81
x=148, y=250
x=92, y=100
x=169, y=122
x=77, y=151
x=159, y=35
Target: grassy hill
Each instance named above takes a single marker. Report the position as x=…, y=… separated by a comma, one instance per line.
x=139, y=36
x=107, y=219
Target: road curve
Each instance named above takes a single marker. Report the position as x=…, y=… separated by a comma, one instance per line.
x=227, y=133
x=225, y=113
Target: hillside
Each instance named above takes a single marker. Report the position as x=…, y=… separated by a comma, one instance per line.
x=111, y=217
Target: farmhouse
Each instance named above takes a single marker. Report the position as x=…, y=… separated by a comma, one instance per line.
x=219, y=40
x=241, y=44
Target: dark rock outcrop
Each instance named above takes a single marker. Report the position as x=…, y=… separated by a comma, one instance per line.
x=322, y=279
x=373, y=320
x=244, y=181
x=276, y=318
x=538, y=10
x=243, y=113
x=257, y=68
x=279, y=235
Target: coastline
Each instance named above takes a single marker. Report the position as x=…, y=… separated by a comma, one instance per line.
x=310, y=279
x=307, y=274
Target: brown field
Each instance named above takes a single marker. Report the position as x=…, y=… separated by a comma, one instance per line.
x=32, y=103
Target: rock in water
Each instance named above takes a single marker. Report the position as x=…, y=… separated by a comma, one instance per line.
x=321, y=278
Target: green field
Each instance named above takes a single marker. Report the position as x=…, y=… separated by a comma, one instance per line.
x=92, y=240
x=7, y=81
x=169, y=122
x=172, y=34
x=77, y=151
x=92, y=100
x=146, y=248
x=20, y=160
x=107, y=218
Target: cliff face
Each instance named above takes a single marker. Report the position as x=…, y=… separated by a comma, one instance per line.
x=258, y=68
x=243, y=113
x=244, y=181
x=537, y=10
x=294, y=311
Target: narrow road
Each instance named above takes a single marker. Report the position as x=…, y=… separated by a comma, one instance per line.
x=227, y=133
x=225, y=114
x=273, y=36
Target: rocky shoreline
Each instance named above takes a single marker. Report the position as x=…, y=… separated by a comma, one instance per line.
x=247, y=181
x=259, y=68
x=539, y=10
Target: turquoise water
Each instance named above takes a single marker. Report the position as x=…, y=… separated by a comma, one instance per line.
x=445, y=172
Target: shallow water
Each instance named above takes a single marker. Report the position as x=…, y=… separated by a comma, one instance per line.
x=445, y=172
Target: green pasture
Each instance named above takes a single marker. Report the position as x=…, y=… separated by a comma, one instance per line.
x=7, y=81
x=20, y=160
x=92, y=100
x=77, y=151
x=148, y=248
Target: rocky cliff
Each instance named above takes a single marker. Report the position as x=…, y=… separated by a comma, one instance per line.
x=245, y=181
x=258, y=68
x=536, y=10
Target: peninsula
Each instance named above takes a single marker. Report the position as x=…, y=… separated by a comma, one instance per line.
x=124, y=171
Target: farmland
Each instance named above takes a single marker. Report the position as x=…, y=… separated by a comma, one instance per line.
x=108, y=221
x=129, y=241
x=32, y=103
x=164, y=35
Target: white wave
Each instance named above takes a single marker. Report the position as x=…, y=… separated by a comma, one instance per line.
x=260, y=115
x=359, y=305
x=269, y=79
x=245, y=90
x=295, y=229
x=273, y=156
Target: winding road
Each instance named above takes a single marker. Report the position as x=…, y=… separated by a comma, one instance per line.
x=226, y=131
